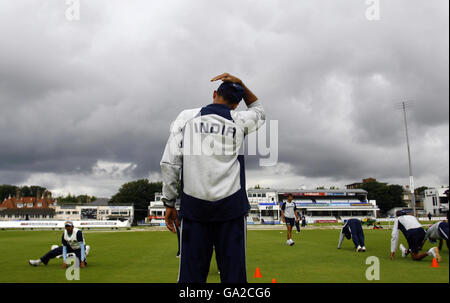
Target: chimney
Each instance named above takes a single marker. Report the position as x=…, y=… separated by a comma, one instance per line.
x=17, y=193
x=38, y=195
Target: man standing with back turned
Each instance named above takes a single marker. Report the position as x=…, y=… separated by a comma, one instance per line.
x=203, y=151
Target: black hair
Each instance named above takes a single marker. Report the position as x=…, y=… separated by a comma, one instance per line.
x=227, y=96
x=232, y=93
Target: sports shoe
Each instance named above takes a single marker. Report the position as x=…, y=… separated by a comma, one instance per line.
x=358, y=248
x=88, y=249
x=434, y=251
x=363, y=249
x=292, y=243
x=288, y=242
x=35, y=262
x=404, y=251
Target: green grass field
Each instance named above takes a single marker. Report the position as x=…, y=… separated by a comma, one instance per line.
x=149, y=256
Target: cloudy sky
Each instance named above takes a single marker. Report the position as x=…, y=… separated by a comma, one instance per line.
x=86, y=105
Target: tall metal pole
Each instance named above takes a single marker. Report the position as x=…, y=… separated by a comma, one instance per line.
x=411, y=179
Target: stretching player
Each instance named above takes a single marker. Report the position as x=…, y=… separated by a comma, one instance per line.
x=437, y=231
x=353, y=230
x=289, y=216
x=414, y=234
x=72, y=242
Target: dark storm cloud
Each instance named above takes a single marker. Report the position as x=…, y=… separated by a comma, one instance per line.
x=106, y=88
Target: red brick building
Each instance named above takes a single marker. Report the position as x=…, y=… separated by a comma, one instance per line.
x=27, y=208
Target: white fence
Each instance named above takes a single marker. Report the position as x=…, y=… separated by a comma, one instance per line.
x=60, y=224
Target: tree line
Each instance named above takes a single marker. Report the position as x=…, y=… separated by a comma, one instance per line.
x=7, y=191
x=24, y=191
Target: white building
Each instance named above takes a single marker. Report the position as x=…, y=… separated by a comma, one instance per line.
x=157, y=210
x=264, y=206
x=331, y=205
x=100, y=210
x=315, y=205
x=435, y=201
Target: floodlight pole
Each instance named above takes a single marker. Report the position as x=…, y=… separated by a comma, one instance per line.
x=411, y=179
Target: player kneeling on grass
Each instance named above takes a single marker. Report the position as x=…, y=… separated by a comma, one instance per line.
x=289, y=216
x=353, y=230
x=414, y=234
x=437, y=232
x=72, y=242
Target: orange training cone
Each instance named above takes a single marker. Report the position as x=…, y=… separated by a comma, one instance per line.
x=274, y=280
x=258, y=273
x=434, y=263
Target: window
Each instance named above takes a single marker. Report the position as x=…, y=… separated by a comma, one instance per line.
x=263, y=195
x=39, y=204
x=29, y=204
x=267, y=213
x=74, y=213
x=67, y=213
x=19, y=205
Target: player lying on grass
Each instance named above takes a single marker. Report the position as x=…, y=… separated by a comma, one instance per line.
x=415, y=236
x=72, y=242
x=437, y=232
x=353, y=230
x=289, y=216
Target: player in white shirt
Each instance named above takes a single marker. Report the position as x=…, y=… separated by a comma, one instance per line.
x=414, y=234
x=204, y=153
x=437, y=232
x=289, y=215
x=72, y=242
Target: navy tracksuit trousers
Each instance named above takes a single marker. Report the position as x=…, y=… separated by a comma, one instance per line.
x=355, y=228
x=198, y=239
x=59, y=251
